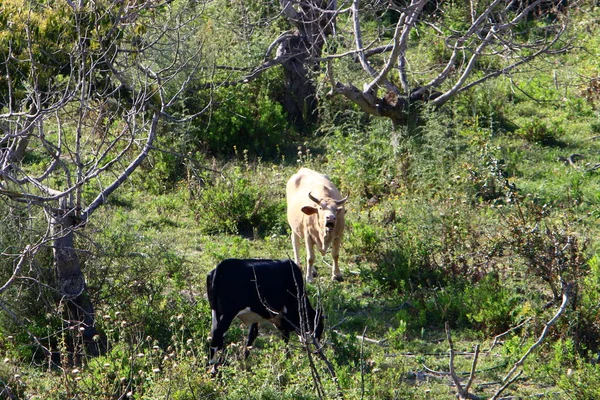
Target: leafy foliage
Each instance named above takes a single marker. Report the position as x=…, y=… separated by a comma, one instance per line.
x=235, y=204
x=244, y=117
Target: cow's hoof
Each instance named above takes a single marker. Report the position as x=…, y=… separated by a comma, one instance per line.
x=337, y=278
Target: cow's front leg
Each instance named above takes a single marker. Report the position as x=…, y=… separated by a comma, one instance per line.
x=216, y=342
x=252, y=334
x=310, y=259
x=296, y=247
x=336, y=274
x=285, y=335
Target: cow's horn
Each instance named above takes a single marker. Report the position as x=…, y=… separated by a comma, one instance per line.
x=313, y=198
x=342, y=201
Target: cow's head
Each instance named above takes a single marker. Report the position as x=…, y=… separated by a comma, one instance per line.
x=328, y=210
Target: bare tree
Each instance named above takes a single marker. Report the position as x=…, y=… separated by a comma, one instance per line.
x=84, y=98
x=374, y=53
x=495, y=38
x=300, y=48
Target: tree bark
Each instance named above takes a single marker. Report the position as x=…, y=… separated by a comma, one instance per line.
x=300, y=100
x=79, y=315
x=312, y=26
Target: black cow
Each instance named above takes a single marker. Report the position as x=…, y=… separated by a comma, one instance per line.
x=257, y=291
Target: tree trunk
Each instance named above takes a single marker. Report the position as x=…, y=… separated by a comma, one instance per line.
x=305, y=45
x=78, y=310
x=300, y=101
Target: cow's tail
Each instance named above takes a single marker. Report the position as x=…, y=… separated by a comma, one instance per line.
x=210, y=279
x=209, y=288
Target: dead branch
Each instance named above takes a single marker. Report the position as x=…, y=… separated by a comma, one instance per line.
x=363, y=338
x=572, y=159
x=514, y=328
x=513, y=375
x=463, y=392
x=25, y=255
x=472, y=373
x=362, y=365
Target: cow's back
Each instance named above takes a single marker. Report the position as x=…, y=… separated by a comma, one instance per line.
x=230, y=282
x=306, y=180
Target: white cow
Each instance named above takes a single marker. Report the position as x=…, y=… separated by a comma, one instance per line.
x=315, y=212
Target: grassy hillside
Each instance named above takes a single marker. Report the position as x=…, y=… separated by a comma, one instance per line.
x=481, y=219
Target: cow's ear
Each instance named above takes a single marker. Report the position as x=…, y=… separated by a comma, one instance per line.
x=308, y=210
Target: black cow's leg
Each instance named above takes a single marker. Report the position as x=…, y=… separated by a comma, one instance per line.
x=216, y=342
x=252, y=334
x=285, y=334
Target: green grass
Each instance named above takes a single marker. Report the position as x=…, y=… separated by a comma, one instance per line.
x=440, y=225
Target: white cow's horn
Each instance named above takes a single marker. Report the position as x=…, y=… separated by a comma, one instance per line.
x=313, y=198
x=341, y=201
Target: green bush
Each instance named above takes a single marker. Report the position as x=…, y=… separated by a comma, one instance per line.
x=537, y=131
x=580, y=381
x=248, y=117
x=491, y=307
x=401, y=263
x=237, y=205
x=488, y=178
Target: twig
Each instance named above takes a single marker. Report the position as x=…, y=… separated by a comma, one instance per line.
x=25, y=255
x=593, y=168
x=7, y=393
x=362, y=365
x=495, y=342
x=319, y=352
x=473, y=365
x=463, y=392
x=511, y=377
x=364, y=338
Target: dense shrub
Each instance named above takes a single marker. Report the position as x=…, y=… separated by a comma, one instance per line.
x=491, y=306
x=233, y=203
x=248, y=117
x=537, y=131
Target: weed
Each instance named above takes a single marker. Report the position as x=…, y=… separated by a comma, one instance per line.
x=537, y=131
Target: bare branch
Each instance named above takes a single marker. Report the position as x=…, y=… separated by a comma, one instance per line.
x=403, y=27
x=103, y=196
x=512, y=375
x=25, y=255
x=463, y=392
x=514, y=328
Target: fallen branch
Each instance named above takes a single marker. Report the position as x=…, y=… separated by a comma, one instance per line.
x=593, y=168
x=363, y=338
x=362, y=365
x=572, y=159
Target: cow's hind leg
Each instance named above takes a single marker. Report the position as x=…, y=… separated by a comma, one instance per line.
x=252, y=334
x=296, y=247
